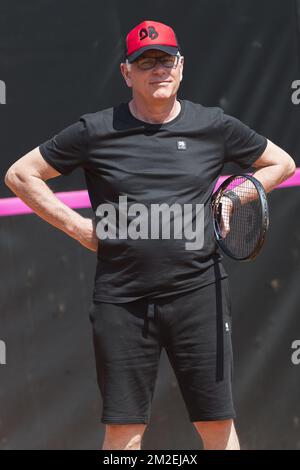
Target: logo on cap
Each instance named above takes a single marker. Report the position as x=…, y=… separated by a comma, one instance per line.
x=153, y=34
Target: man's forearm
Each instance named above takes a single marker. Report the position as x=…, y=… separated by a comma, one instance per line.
x=270, y=177
x=41, y=199
x=273, y=167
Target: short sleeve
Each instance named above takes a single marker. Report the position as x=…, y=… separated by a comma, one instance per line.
x=242, y=144
x=67, y=150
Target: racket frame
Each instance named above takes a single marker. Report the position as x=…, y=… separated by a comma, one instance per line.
x=264, y=215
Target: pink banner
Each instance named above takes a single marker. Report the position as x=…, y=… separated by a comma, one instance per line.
x=81, y=200
x=290, y=182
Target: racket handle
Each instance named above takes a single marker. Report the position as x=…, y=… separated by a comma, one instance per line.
x=233, y=197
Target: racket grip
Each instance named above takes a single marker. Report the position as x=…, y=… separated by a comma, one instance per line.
x=233, y=197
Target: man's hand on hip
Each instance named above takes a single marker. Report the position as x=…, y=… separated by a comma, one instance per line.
x=87, y=234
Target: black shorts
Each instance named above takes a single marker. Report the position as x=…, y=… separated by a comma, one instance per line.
x=195, y=330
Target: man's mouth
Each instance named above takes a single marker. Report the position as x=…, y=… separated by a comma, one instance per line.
x=162, y=81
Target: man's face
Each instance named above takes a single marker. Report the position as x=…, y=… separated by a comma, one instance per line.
x=157, y=83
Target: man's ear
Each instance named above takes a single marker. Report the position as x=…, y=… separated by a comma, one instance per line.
x=126, y=72
x=181, y=67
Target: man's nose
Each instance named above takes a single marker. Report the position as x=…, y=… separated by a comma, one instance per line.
x=159, y=68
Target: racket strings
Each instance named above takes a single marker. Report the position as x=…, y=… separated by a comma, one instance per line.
x=239, y=217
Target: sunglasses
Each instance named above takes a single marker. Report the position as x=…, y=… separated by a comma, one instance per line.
x=148, y=63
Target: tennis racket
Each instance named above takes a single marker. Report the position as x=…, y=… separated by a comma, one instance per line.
x=240, y=216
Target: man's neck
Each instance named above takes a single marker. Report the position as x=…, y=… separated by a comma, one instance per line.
x=157, y=113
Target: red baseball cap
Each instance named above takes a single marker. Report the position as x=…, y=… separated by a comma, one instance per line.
x=150, y=35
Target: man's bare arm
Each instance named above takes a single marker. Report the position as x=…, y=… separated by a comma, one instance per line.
x=26, y=178
x=273, y=167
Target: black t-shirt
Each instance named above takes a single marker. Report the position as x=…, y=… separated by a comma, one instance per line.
x=178, y=162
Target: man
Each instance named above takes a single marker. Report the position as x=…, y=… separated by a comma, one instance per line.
x=151, y=291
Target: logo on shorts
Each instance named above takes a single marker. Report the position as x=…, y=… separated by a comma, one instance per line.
x=2, y=352
x=2, y=92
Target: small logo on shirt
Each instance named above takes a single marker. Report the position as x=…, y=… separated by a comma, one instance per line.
x=226, y=326
x=181, y=144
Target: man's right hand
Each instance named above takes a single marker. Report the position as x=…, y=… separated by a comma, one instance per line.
x=227, y=210
x=27, y=179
